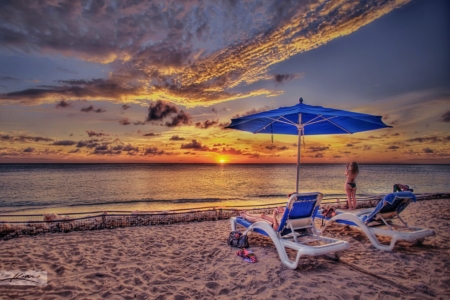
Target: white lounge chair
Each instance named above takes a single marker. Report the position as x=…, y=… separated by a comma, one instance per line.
x=296, y=230
x=379, y=221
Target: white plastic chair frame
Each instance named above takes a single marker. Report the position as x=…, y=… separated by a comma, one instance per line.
x=397, y=232
x=296, y=241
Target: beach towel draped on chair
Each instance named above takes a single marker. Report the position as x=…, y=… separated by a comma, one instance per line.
x=296, y=230
x=380, y=221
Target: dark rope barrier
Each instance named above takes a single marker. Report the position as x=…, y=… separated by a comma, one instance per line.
x=12, y=225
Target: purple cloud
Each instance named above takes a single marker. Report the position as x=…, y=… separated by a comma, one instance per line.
x=64, y=143
x=91, y=108
x=176, y=138
x=153, y=151
x=63, y=104
x=151, y=134
x=93, y=133
x=124, y=121
x=194, y=144
x=445, y=117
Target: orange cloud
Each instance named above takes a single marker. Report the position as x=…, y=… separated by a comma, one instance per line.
x=176, y=56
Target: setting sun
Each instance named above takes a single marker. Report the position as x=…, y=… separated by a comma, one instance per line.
x=222, y=160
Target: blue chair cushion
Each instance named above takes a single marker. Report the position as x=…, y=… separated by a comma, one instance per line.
x=247, y=224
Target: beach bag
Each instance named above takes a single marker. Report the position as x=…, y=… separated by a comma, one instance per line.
x=238, y=240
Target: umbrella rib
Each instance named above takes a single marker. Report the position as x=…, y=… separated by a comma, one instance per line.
x=264, y=127
x=340, y=127
x=326, y=119
x=310, y=122
x=288, y=122
x=277, y=120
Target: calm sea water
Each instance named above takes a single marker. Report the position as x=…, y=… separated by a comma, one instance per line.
x=87, y=187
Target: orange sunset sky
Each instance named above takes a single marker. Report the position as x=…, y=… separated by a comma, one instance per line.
x=157, y=81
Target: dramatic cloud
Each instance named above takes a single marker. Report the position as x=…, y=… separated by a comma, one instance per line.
x=124, y=121
x=91, y=108
x=152, y=151
x=254, y=155
x=181, y=118
x=280, y=78
x=273, y=147
x=445, y=117
x=24, y=138
x=151, y=134
x=206, y=124
x=63, y=104
x=178, y=51
x=194, y=145
x=93, y=133
x=139, y=123
x=176, y=138
x=427, y=150
x=393, y=147
x=29, y=149
x=231, y=151
x=318, y=149
x=64, y=143
x=430, y=139
x=252, y=111
x=129, y=148
x=105, y=150
x=88, y=144
x=126, y=148
x=160, y=111
x=96, y=89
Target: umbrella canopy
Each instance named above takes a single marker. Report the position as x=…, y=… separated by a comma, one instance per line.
x=302, y=119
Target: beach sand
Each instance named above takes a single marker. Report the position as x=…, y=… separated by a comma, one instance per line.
x=193, y=261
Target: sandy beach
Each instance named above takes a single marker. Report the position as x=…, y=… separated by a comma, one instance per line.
x=193, y=261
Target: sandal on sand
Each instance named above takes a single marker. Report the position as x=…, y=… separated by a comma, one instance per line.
x=251, y=258
x=248, y=256
x=241, y=253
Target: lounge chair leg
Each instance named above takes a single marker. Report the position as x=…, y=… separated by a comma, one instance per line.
x=233, y=223
x=420, y=241
x=338, y=255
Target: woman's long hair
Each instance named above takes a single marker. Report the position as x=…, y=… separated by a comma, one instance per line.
x=354, y=169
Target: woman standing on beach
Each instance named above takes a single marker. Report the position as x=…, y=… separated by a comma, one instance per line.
x=351, y=172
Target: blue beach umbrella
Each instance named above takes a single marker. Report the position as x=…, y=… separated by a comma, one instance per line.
x=302, y=119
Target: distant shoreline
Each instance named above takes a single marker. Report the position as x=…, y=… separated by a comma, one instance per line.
x=220, y=164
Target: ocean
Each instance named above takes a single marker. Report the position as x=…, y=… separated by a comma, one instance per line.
x=42, y=188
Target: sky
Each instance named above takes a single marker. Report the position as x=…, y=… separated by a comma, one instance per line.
x=158, y=81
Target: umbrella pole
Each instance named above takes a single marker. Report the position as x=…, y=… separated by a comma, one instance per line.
x=300, y=131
